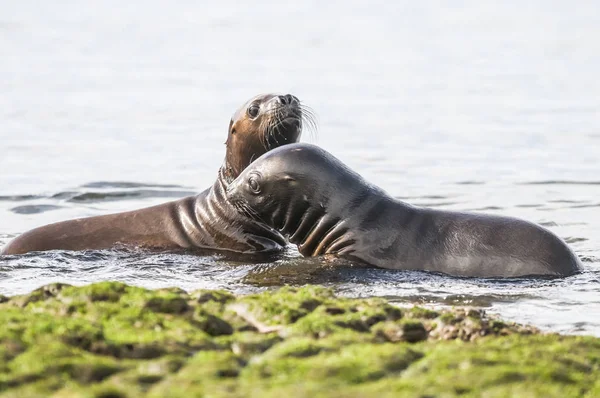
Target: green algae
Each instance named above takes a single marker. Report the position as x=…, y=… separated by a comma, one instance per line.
x=114, y=340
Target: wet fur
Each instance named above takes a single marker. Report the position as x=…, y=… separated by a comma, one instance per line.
x=324, y=207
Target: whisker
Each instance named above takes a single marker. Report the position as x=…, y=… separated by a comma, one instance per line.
x=272, y=128
x=310, y=120
x=250, y=212
x=276, y=130
x=264, y=127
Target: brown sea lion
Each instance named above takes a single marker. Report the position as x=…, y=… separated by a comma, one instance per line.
x=206, y=220
x=325, y=208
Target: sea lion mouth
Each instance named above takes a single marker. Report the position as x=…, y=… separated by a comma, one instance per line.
x=286, y=124
x=288, y=113
x=292, y=120
x=284, y=127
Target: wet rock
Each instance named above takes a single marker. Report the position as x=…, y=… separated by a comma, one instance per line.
x=110, y=339
x=424, y=313
x=218, y=296
x=42, y=293
x=167, y=305
x=407, y=330
x=211, y=324
x=246, y=344
x=334, y=310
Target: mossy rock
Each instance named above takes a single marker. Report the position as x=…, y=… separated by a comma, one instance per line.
x=114, y=340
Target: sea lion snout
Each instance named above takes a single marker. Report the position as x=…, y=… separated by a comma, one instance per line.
x=289, y=99
x=287, y=108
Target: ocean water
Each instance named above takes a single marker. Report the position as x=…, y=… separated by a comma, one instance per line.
x=468, y=105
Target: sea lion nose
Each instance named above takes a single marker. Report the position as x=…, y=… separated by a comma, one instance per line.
x=288, y=99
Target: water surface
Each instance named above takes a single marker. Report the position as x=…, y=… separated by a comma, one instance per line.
x=479, y=106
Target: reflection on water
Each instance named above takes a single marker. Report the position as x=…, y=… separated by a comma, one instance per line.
x=460, y=106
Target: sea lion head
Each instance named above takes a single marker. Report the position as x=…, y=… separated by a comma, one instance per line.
x=283, y=184
x=264, y=122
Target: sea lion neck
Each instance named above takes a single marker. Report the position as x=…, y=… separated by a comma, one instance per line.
x=226, y=174
x=237, y=160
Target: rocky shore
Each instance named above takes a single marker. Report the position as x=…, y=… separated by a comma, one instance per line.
x=114, y=340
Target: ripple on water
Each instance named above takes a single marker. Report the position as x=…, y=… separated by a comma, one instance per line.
x=583, y=206
x=529, y=205
x=559, y=182
x=574, y=239
x=128, y=184
x=95, y=197
x=19, y=198
x=548, y=224
x=488, y=208
x=34, y=209
x=470, y=183
x=104, y=192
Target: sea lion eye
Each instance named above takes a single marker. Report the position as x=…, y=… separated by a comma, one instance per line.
x=253, y=184
x=253, y=110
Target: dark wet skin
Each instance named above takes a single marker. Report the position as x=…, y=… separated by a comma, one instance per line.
x=324, y=207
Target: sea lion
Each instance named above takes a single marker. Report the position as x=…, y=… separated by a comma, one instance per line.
x=324, y=207
x=206, y=220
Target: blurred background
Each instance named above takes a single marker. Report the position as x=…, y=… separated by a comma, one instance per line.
x=466, y=105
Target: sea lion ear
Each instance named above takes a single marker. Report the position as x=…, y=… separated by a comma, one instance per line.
x=229, y=131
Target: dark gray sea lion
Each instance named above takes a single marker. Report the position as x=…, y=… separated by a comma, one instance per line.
x=204, y=221
x=325, y=208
